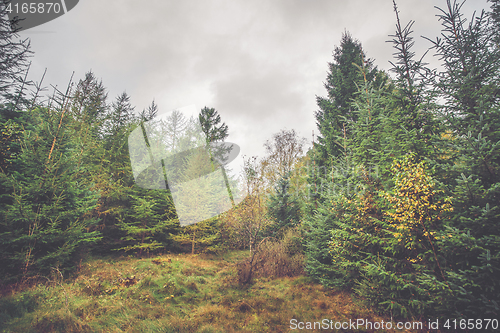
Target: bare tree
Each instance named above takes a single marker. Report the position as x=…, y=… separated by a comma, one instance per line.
x=283, y=151
x=248, y=219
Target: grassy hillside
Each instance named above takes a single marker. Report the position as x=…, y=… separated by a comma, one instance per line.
x=171, y=293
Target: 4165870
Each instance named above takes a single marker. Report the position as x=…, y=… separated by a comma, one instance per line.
x=471, y=324
x=34, y=8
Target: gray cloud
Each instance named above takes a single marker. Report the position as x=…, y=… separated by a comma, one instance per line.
x=259, y=63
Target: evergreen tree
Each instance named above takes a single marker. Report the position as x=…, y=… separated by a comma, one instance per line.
x=120, y=202
x=369, y=137
x=335, y=111
x=102, y=131
x=14, y=57
x=470, y=86
x=215, y=132
x=411, y=124
x=210, y=125
x=199, y=197
x=398, y=239
x=284, y=207
x=14, y=67
x=145, y=224
x=10, y=133
x=121, y=115
x=138, y=220
x=346, y=185
x=495, y=16
x=150, y=113
x=46, y=219
x=89, y=102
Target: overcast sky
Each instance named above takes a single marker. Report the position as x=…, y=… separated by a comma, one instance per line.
x=260, y=63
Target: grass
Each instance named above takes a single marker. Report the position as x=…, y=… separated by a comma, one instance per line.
x=172, y=293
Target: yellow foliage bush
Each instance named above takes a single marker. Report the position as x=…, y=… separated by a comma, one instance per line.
x=416, y=208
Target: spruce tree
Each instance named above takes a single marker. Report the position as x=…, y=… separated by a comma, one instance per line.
x=129, y=220
x=210, y=122
x=14, y=63
x=146, y=223
x=150, y=113
x=283, y=207
x=419, y=236
x=411, y=123
x=211, y=126
x=495, y=16
x=199, y=196
x=46, y=220
x=121, y=115
x=89, y=101
x=470, y=86
x=335, y=112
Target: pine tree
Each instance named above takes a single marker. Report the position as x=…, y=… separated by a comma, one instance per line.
x=14, y=66
x=121, y=202
x=335, y=111
x=470, y=86
x=150, y=113
x=495, y=16
x=209, y=121
x=411, y=124
x=46, y=219
x=369, y=137
x=198, y=199
x=121, y=115
x=14, y=57
x=10, y=134
x=175, y=130
x=215, y=132
x=284, y=207
x=89, y=99
x=144, y=223
x=411, y=239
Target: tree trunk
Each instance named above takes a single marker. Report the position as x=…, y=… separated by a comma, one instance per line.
x=192, y=243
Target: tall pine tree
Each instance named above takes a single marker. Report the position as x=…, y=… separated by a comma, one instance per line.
x=470, y=88
x=46, y=219
x=335, y=111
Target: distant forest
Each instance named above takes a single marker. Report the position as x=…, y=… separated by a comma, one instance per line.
x=398, y=200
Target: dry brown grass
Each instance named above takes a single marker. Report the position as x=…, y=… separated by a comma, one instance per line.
x=184, y=294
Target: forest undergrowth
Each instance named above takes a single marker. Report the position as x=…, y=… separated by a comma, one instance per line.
x=172, y=293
